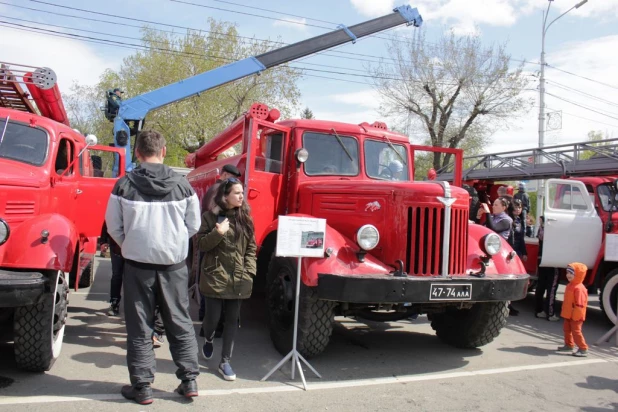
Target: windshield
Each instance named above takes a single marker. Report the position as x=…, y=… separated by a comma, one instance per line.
x=330, y=154
x=382, y=162
x=605, y=193
x=23, y=143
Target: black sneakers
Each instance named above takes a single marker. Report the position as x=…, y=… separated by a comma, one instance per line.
x=140, y=394
x=114, y=308
x=188, y=389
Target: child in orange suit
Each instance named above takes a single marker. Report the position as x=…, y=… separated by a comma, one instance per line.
x=574, y=310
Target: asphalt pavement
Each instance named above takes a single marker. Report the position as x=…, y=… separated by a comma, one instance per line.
x=367, y=366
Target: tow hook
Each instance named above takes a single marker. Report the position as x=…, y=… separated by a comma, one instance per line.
x=484, y=261
x=399, y=272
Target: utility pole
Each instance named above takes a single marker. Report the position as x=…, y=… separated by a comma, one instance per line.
x=540, y=195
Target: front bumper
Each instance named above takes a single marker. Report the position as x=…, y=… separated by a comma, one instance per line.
x=21, y=288
x=416, y=289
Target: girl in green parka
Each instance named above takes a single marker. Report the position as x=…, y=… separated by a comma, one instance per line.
x=227, y=237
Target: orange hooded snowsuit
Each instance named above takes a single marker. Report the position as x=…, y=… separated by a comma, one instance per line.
x=575, y=295
x=574, y=307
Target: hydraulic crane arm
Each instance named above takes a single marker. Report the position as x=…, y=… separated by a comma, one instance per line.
x=136, y=108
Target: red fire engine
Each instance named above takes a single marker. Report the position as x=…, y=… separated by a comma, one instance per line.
x=54, y=186
x=580, y=201
x=394, y=247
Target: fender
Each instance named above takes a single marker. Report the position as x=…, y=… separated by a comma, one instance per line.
x=342, y=261
x=56, y=253
x=501, y=263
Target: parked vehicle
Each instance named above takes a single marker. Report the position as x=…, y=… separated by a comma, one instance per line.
x=394, y=247
x=54, y=187
x=580, y=201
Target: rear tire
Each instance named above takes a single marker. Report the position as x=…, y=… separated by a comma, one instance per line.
x=39, y=329
x=87, y=278
x=471, y=328
x=315, y=316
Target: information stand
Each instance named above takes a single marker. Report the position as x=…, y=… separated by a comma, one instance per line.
x=609, y=286
x=298, y=237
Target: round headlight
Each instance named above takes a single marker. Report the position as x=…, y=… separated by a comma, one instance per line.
x=367, y=237
x=4, y=231
x=302, y=155
x=492, y=244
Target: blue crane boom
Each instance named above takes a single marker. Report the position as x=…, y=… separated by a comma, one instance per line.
x=136, y=108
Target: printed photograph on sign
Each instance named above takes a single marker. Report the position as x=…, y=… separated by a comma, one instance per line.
x=312, y=240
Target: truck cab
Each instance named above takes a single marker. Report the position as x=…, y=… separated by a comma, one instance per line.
x=54, y=187
x=394, y=247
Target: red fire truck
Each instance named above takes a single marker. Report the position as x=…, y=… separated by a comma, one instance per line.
x=580, y=201
x=54, y=186
x=394, y=247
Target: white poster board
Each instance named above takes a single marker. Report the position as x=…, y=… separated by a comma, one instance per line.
x=301, y=236
x=611, y=248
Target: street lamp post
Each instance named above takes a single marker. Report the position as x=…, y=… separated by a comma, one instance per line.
x=540, y=190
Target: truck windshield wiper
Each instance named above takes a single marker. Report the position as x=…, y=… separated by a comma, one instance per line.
x=345, y=149
x=6, y=123
x=394, y=150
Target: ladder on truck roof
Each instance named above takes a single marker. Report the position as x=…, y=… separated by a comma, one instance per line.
x=12, y=96
x=576, y=159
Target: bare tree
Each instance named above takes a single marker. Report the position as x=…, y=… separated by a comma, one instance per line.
x=454, y=88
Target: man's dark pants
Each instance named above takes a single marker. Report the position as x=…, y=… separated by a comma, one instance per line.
x=147, y=286
x=548, y=280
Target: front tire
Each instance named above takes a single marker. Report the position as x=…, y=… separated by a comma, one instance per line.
x=315, y=316
x=39, y=329
x=608, y=296
x=471, y=328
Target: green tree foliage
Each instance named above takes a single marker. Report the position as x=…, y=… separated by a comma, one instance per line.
x=170, y=58
x=456, y=91
x=307, y=114
x=594, y=137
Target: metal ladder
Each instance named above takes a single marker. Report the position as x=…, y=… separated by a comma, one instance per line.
x=12, y=95
x=576, y=159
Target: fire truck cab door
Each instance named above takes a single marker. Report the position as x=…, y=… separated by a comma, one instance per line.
x=95, y=186
x=266, y=165
x=573, y=229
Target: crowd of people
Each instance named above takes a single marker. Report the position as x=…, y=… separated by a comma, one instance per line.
x=147, y=207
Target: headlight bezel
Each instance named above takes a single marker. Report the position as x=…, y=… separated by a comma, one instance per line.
x=360, y=231
x=5, y=224
x=487, y=247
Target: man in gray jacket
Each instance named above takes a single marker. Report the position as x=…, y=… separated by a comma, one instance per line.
x=151, y=214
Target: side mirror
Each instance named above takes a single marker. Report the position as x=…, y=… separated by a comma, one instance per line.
x=91, y=140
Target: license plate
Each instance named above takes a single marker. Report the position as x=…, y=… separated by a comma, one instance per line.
x=450, y=291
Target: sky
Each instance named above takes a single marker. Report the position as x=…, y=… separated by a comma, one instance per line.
x=582, y=83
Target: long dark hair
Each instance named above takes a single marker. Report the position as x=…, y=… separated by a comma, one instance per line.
x=243, y=222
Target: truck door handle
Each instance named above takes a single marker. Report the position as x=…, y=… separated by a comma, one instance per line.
x=79, y=192
x=552, y=219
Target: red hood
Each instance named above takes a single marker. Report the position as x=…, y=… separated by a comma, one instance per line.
x=13, y=173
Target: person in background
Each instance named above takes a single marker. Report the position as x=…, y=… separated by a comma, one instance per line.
x=522, y=196
x=152, y=212
x=500, y=222
x=574, y=310
x=227, y=237
x=529, y=225
x=547, y=282
x=519, y=235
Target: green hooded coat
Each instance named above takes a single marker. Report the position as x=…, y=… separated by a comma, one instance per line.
x=229, y=265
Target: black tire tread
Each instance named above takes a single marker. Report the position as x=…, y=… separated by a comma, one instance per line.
x=33, y=332
x=471, y=328
x=315, y=317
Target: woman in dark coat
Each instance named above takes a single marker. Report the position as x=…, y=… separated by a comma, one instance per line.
x=227, y=237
